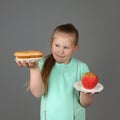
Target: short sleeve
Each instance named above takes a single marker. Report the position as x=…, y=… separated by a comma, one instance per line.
x=41, y=63
x=83, y=68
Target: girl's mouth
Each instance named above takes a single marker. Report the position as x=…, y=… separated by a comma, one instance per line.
x=60, y=56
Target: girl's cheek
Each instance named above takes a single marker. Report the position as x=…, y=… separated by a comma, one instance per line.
x=54, y=50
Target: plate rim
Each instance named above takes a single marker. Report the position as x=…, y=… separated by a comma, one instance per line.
x=82, y=89
x=28, y=59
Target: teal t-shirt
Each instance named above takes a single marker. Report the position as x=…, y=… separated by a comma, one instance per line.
x=62, y=99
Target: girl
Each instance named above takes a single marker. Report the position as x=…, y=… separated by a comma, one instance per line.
x=53, y=77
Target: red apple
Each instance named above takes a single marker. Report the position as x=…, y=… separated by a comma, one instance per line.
x=89, y=80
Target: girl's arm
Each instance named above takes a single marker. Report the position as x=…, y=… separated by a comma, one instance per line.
x=86, y=99
x=36, y=84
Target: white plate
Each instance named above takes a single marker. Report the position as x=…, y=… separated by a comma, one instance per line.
x=28, y=60
x=78, y=86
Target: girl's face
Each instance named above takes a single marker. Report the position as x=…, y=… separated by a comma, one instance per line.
x=63, y=47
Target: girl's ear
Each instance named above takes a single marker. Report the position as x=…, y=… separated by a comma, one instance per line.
x=76, y=48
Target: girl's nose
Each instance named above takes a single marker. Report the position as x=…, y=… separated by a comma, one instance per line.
x=61, y=50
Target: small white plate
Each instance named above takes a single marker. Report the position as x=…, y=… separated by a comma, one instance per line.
x=28, y=60
x=78, y=86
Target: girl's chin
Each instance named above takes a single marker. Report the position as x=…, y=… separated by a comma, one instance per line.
x=60, y=60
x=65, y=61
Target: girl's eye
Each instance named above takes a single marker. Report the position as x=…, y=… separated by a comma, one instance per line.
x=66, y=47
x=56, y=45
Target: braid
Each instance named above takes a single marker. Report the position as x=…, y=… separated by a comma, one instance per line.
x=47, y=67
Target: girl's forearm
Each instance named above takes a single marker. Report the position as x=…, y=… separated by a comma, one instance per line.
x=86, y=99
x=36, y=83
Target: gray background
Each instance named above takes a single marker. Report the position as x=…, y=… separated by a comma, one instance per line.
x=28, y=24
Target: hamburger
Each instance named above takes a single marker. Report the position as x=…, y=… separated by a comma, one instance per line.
x=28, y=55
x=90, y=80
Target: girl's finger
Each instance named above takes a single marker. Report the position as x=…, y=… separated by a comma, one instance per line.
x=19, y=63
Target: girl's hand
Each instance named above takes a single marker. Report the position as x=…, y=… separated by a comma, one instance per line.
x=27, y=64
